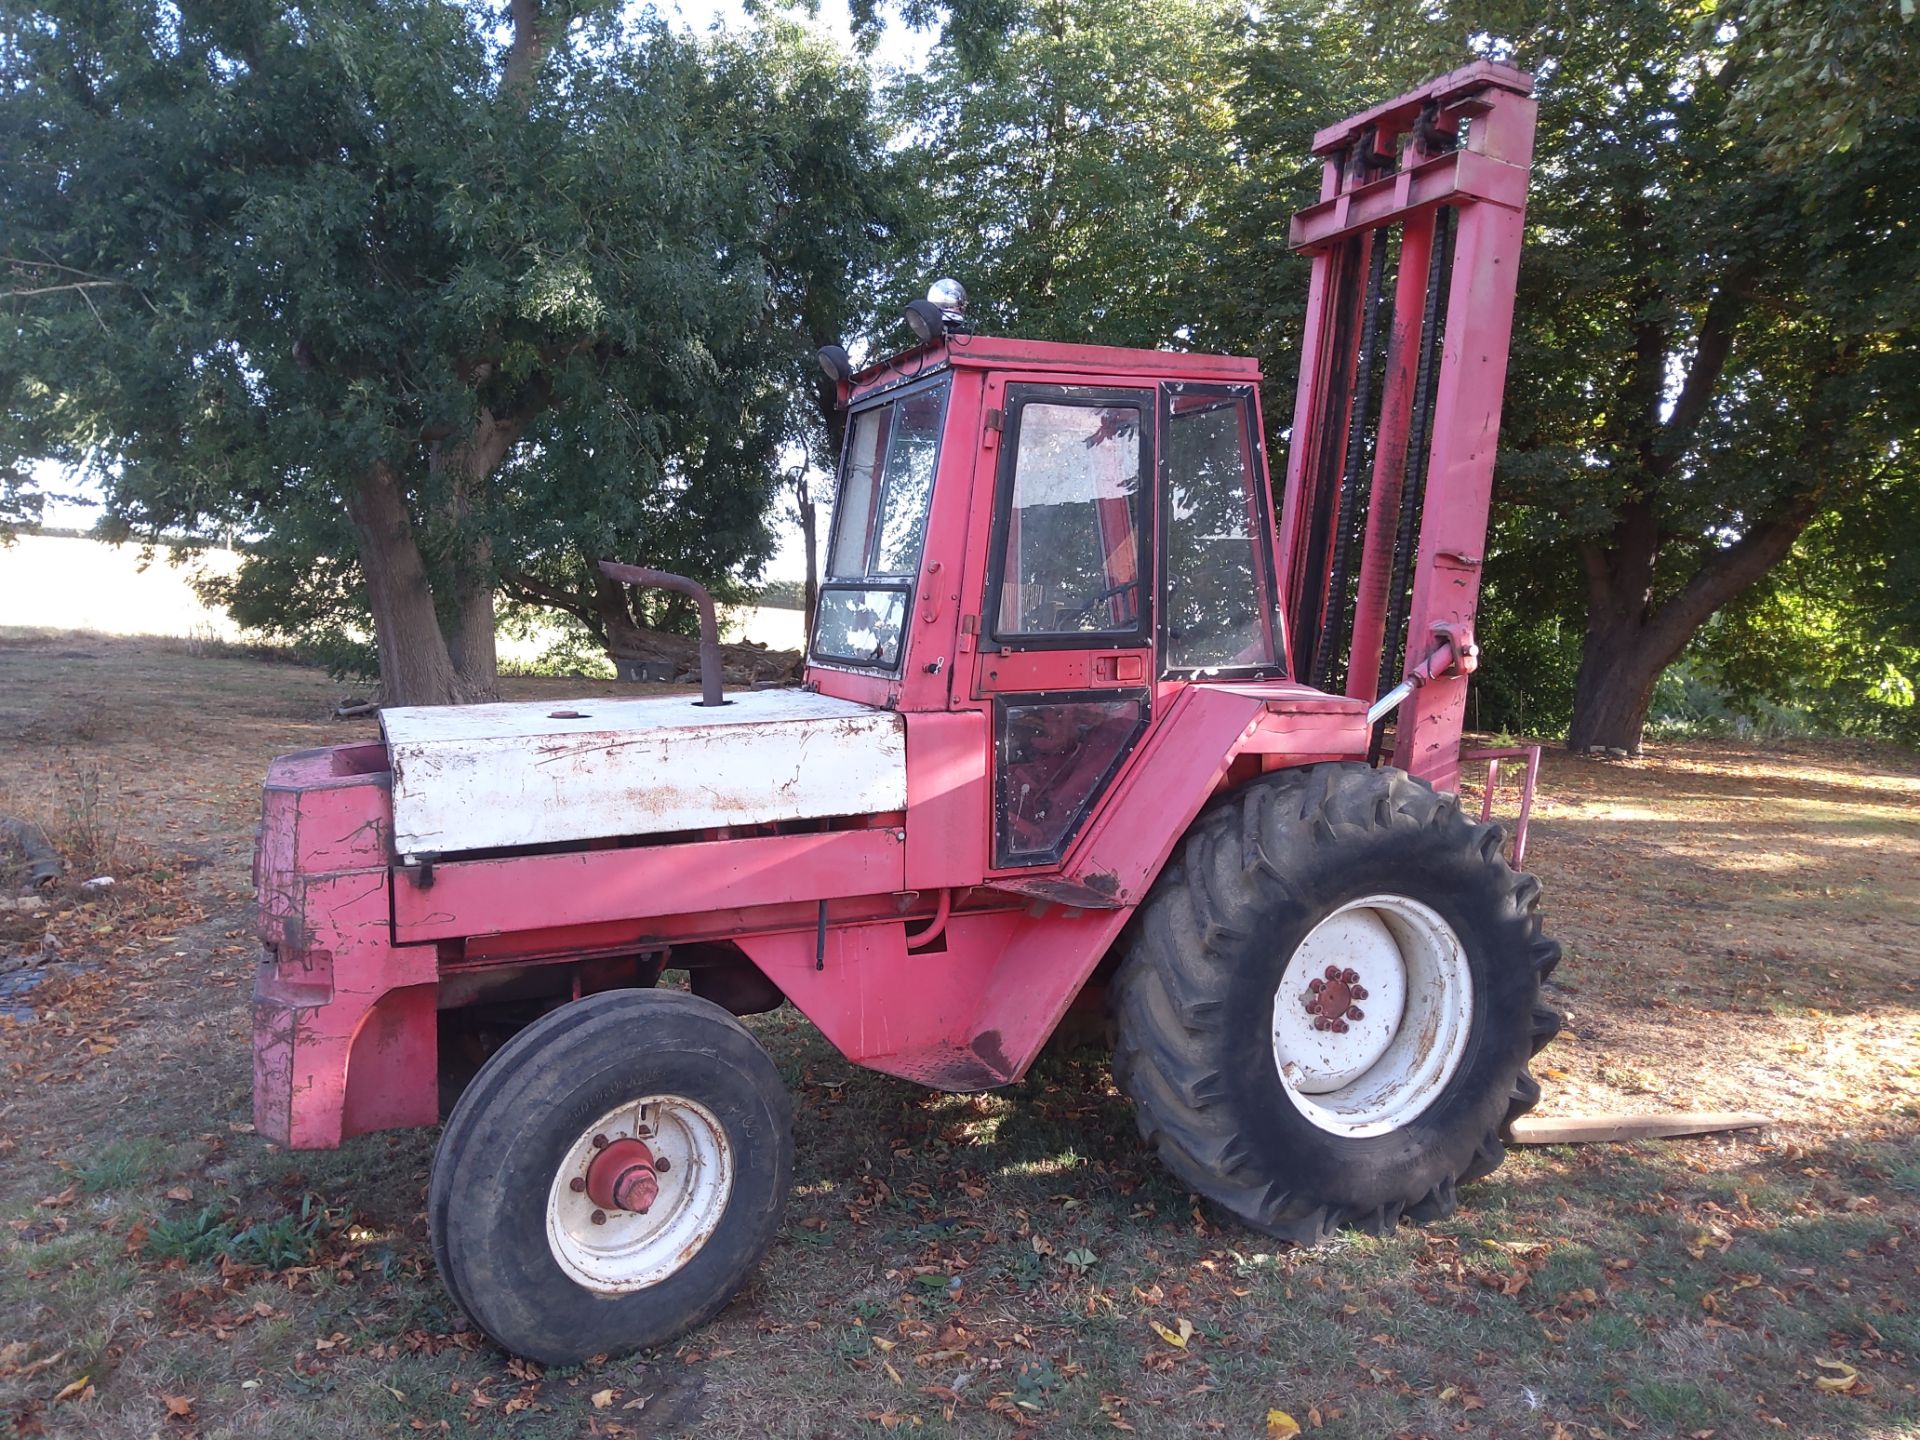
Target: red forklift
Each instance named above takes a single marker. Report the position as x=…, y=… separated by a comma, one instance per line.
x=1082, y=721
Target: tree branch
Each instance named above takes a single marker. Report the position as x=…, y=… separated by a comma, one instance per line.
x=1728, y=573
x=89, y=280
x=56, y=289
x=531, y=590
x=1710, y=354
x=529, y=44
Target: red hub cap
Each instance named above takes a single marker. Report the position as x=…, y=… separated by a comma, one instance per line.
x=621, y=1177
x=1330, y=999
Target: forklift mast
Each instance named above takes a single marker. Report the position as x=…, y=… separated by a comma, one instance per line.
x=1415, y=242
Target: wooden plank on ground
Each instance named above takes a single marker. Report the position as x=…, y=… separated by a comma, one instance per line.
x=1605, y=1129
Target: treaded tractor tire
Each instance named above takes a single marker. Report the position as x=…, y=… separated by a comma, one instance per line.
x=1215, y=948
x=504, y=1161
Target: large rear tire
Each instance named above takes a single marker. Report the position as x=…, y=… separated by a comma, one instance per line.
x=1329, y=1001
x=612, y=1177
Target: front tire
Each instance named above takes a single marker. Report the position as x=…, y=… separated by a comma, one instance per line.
x=1328, y=1005
x=612, y=1177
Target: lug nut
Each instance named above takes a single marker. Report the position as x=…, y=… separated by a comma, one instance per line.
x=1349, y=976
x=1358, y=992
x=577, y=1184
x=1316, y=985
x=599, y=1142
x=1339, y=1027
x=599, y=1217
x=1333, y=972
x=1354, y=1013
x=1319, y=1022
x=661, y=1165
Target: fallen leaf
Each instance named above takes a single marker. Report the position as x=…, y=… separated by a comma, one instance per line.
x=73, y=1391
x=178, y=1406
x=1281, y=1426
x=1178, y=1339
x=179, y=1192
x=1843, y=1379
x=602, y=1399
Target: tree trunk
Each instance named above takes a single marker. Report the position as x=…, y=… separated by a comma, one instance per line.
x=809, y=518
x=470, y=575
x=625, y=641
x=470, y=623
x=415, y=668
x=1619, y=668
x=1630, y=641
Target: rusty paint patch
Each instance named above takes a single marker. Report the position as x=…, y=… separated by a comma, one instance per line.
x=1062, y=890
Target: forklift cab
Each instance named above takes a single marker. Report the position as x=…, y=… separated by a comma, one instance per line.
x=1048, y=538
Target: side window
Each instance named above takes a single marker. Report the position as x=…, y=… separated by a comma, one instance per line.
x=1057, y=753
x=1071, y=560
x=879, y=529
x=860, y=626
x=1217, y=614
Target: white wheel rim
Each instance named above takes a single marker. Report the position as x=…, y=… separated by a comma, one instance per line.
x=1374, y=1072
x=626, y=1250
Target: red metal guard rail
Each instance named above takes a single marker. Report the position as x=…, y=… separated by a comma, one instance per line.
x=1528, y=753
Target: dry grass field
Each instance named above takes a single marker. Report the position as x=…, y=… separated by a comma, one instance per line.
x=1743, y=931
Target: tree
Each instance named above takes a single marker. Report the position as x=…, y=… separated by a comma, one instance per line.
x=1070, y=151
x=479, y=290
x=822, y=217
x=1707, y=361
x=1833, y=633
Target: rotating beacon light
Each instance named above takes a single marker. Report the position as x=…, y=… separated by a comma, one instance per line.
x=942, y=313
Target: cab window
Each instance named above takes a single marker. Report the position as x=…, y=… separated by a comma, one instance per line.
x=1071, y=556
x=1218, y=613
x=879, y=529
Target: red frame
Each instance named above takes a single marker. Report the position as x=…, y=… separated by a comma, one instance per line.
x=1484, y=183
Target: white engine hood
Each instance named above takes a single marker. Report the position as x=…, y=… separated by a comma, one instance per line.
x=478, y=777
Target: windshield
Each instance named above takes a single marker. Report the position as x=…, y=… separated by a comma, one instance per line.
x=879, y=528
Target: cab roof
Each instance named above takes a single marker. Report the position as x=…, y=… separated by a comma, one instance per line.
x=990, y=352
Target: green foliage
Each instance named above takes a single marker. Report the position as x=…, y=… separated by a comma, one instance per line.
x=1717, y=345
x=1833, y=635
x=194, y=1238
x=1071, y=155
x=781, y=595
x=259, y=255
x=253, y=255
x=278, y=1243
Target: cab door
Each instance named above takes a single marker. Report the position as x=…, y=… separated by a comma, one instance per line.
x=1065, y=657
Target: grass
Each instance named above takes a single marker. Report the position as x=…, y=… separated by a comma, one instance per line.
x=1726, y=954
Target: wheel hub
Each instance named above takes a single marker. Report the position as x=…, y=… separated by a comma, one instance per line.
x=1330, y=999
x=1369, y=1069
x=638, y=1194
x=622, y=1176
